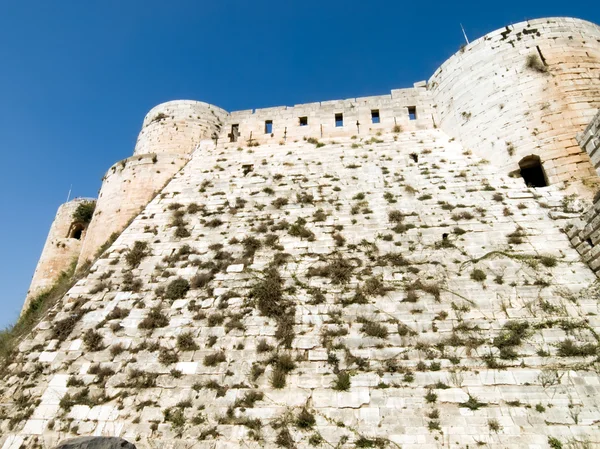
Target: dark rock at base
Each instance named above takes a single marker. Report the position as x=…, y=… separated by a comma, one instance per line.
x=96, y=443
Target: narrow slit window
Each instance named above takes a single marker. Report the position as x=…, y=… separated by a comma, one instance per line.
x=412, y=112
x=339, y=120
x=303, y=121
x=235, y=132
x=268, y=126
x=375, y=116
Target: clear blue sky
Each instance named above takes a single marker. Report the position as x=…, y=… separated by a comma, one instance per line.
x=77, y=78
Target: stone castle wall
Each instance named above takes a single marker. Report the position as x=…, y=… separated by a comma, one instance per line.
x=60, y=250
x=585, y=230
x=589, y=140
x=486, y=96
x=407, y=259
x=356, y=113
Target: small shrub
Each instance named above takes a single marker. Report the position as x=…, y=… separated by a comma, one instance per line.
x=278, y=203
x=93, y=341
x=176, y=289
x=478, y=275
x=84, y=212
x=215, y=222
x=167, y=357
x=305, y=419
x=284, y=439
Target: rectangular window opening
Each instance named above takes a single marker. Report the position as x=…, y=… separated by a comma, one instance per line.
x=303, y=121
x=412, y=112
x=339, y=120
x=374, y=115
x=235, y=132
x=268, y=126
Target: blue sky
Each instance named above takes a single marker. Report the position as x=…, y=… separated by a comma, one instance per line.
x=77, y=77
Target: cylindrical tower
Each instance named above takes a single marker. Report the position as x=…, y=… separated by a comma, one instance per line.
x=521, y=94
x=62, y=246
x=177, y=127
x=170, y=133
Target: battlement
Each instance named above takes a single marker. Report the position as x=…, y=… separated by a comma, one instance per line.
x=407, y=109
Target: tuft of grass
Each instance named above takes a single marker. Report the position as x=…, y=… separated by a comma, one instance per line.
x=373, y=329
x=342, y=382
x=570, y=348
x=339, y=270
x=305, y=419
x=186, y=342
x=472, y=403
x=154, y=319
x=93, y=341
x=215, y=358
x=136, y=254
x=268, y=295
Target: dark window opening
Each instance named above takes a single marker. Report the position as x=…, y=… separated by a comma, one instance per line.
x=303, y=121
x=339, y=120
x=533, y=172
x=235, y=132
x=247, y=168
x=414, y=157
x=375, y=116
x=589, y=242
x=268, y=126
x=412, y=112
x=76, y=231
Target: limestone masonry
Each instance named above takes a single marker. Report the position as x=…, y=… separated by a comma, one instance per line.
x=412, y=270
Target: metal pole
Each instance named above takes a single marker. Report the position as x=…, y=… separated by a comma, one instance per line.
x=69, y=194
x=464, y=34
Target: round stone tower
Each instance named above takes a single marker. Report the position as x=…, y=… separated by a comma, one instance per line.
x=519, y=95
x=170, y=133
x=61, y=249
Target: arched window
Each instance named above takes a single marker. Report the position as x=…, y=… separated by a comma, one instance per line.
x=76, y=231
x=532, y=171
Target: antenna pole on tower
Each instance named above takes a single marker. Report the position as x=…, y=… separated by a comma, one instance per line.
x=69, y=194
x=464, y=34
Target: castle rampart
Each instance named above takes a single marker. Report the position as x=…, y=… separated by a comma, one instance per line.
x=410, y=109
x=527, y=89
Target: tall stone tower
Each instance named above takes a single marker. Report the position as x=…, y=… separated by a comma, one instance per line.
x=62, y=248
x=170, y=133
